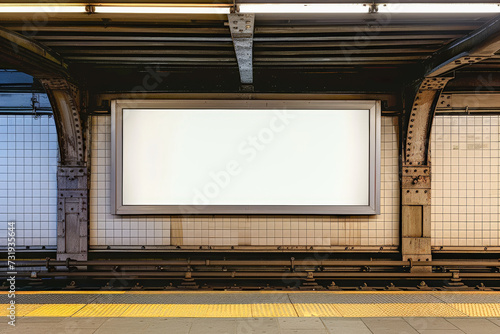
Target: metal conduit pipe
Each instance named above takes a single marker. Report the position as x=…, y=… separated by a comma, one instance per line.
x=257, y=275
x=276, y=263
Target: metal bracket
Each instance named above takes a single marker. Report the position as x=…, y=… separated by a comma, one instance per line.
x=434, y=83
x=72, y=216
x=444, y=101
x=242, y=30
x=310, y=283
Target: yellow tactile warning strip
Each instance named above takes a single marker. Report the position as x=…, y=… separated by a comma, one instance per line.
x=102, y=310
x=317, y=310
x=229, y=311
x=21, y=310
x=273, y=310
x=147, y=310
x=55, y=310
x=407, y=304
x=419, y=310
x=256, y=310
x=359, y=310
x=478, y=310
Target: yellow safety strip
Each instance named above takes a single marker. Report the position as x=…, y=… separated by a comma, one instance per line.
x=317, y=310
x=478, y=310
x=55, y=310
x=419, y=310
x=256, y=310
x=102, y=310
x=273, y=310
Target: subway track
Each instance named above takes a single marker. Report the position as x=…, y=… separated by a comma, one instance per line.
x=252, y=274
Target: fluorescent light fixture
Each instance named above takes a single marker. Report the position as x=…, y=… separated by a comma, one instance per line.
x=284, y=8
x=165, y=9
x=42, y=8
x=439, y=8
x=303, y=8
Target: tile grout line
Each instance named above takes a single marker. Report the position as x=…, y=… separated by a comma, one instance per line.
x=492, y=322
x=366, y=325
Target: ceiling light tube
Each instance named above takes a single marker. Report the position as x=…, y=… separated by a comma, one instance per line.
x=41, y=8
x=165, y=9
x=285, y=8
x=439, y=8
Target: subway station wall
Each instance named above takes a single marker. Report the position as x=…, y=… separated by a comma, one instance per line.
x=107, y=229
x=28, y=180
x=465, y=181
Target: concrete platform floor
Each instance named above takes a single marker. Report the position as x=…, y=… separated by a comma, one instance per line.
x=241, y=312
x=310, y=325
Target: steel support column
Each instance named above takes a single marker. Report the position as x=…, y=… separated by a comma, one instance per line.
x=26, y=55
x=416, y=174
x=242, y=28
x=416, y=167
x=72, y=178
x=72, y=216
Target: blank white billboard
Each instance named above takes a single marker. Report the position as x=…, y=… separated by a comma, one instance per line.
x=192, y=157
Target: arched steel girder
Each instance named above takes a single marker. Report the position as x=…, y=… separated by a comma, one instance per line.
x=420, y=106
x=23, y=54
x=65, y=99
x=421, y=101
x=26, y=55
x=419, y=120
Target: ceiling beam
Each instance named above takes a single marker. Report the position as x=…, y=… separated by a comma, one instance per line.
x=425, y=90
x=478, y=45
x=26, y=55
x=242, y=29
x=299, y=28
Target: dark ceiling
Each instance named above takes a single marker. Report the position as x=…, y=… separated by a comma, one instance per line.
x=291, y=52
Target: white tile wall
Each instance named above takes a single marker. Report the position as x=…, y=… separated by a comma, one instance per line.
x=28, y=179
x=107, y=229
x=465, y=181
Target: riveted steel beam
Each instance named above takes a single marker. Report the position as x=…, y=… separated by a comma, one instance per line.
x=478, y=45
x=26, y=55
x=72, y=213
x=72, y=178
x=475, y=47
x=416, y=173
x=242, y=28
x=420, y=120
x=66, y=105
